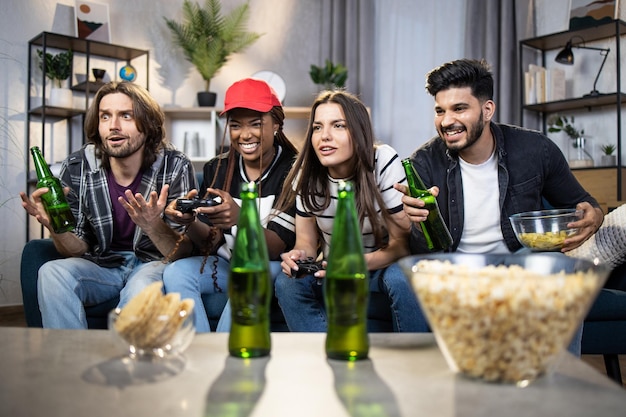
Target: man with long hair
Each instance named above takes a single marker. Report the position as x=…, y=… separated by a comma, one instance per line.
x=119, y=183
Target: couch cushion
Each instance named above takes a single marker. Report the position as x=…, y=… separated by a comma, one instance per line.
x=610, y=305
x=604, y=338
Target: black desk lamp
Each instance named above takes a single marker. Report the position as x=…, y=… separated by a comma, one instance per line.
x=566, y=56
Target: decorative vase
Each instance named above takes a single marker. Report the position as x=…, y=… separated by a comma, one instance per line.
x=206, y=99
x=579, y=156
x=61, y=97
x=98, y=74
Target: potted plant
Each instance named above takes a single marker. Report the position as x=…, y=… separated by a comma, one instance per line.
x=608, y=159
x=208, y=38
x=329, y=76
x=58, y=68
x=581, y=157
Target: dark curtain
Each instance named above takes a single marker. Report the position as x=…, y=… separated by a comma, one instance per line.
x=347, y=37
x=493, y=30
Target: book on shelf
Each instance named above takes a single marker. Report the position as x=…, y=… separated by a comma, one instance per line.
x=555, y=82
x=543, y=85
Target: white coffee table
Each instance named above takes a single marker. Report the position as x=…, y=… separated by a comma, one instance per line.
x=81, y=373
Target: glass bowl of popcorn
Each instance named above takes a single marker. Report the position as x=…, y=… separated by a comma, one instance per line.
x=503, y=318
x=153, y=324
x=544, y=230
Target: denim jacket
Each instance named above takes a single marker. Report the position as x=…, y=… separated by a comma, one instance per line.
x=91, y=204
x=530, y=168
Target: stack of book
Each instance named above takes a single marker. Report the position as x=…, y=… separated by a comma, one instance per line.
x=543, y=85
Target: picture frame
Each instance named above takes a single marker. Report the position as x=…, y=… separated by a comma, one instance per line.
x=619, y=10
x=92, y=21
x=590, y=13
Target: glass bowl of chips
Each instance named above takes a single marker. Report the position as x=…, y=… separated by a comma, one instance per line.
x=153, y=324
x=545, y=230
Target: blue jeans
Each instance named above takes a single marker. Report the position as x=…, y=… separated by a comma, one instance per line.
x=226, y=318
x=65, y=286
x=302, y=301
x=183, y=276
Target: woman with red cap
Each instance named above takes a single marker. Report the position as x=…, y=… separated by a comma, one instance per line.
x=259, y=152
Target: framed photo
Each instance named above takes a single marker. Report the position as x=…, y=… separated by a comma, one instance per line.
x=92, y=21
x=590, y=13
x=620, y=10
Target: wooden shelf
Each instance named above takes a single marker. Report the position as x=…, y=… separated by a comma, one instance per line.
x=196, y=113
x=602, y=183
x=84, y=46
x=52, y=111
x=577, y=103
x=558, y=40
x=91, y=86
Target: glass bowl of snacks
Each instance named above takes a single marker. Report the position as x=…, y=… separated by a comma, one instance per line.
x=503, y=318
x=545, y=230
x=153, y=324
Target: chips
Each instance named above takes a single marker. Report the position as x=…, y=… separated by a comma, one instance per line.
x=150, y=320
x=545, y=241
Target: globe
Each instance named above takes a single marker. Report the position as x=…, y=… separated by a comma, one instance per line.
x=128, y=73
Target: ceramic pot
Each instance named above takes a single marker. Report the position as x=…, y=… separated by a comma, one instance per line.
x=61, y=97
x=608, y=160
x=206, y=99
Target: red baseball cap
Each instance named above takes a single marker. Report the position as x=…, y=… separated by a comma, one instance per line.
x=250, y=93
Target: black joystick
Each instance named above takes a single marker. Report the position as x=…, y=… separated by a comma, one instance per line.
x=306, y=266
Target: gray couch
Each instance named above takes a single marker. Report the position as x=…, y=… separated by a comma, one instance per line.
x=37, y=252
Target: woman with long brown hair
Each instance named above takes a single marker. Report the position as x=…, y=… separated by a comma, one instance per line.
x=340, y=145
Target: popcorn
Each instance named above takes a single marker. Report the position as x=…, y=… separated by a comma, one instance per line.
x=500, y=323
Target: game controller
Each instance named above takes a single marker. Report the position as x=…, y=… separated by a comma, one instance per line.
x=187, y=205
x=306, y=267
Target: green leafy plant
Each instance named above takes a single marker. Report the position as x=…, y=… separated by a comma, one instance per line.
x=208, y=38
x=57, y=67
x=565, y=124
x=608, y=149
x=330, y=75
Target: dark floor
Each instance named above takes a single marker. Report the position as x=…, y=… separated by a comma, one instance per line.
x=13, y=316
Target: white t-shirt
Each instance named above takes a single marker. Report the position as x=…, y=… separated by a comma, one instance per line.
x=481, y=226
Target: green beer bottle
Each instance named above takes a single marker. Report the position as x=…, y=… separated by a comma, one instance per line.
x=346, y=286
x=249, y=285
x=435, y=231
x=61, y=217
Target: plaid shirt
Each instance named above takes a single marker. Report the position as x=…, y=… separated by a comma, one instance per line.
x=91, y=204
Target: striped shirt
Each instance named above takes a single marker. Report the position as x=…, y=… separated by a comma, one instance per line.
x=388, y=171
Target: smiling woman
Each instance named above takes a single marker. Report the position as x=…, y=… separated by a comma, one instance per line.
x=259, y=152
